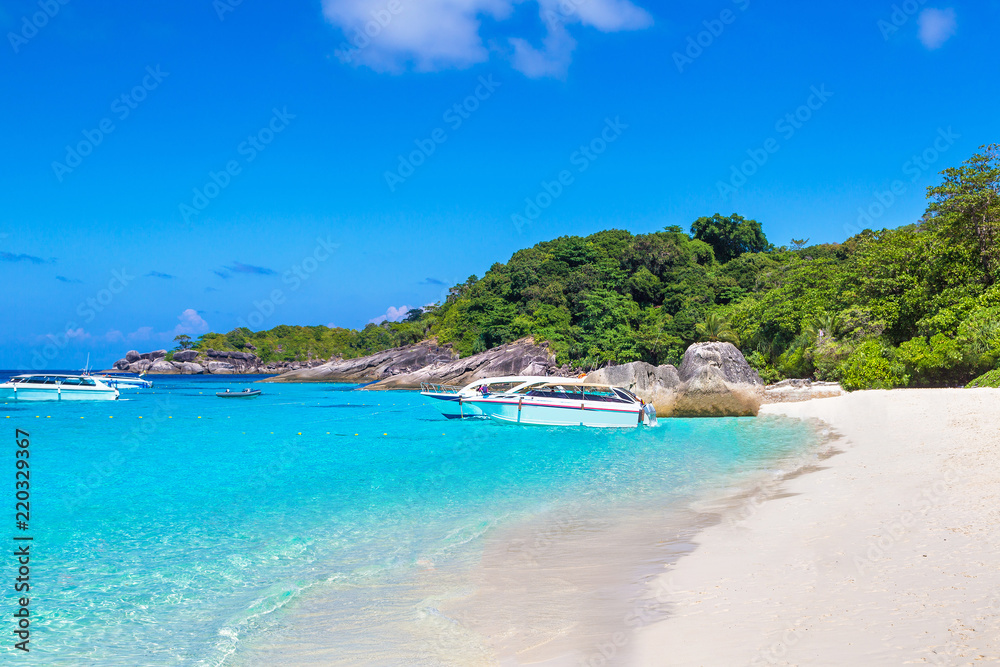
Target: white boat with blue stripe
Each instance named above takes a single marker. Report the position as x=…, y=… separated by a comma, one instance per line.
x=453, y=401
x=119, y=381
x=563, y=402
x=55, y=387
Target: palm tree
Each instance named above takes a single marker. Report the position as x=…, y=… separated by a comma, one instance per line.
x=716, y=328
x=826, y=324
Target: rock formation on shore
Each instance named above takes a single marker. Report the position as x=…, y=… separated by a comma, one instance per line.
x=793, y=390
x=716, y=380
x=522, y=357
x=196, y=362
x=397, y=361
x=407, y=367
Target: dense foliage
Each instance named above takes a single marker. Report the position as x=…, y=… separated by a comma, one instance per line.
x=914, y=306
x=288, y=343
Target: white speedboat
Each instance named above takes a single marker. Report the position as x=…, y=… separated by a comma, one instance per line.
x=53, y=387
x=453, y=401
x=124, y=381
x=563, y=402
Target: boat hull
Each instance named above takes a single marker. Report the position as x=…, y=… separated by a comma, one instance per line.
x=48, y=394
x=559, y=413
x=453, y=406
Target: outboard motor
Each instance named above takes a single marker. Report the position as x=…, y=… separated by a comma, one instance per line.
x=650, y=414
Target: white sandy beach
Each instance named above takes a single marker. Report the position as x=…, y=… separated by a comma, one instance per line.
x=887, y=555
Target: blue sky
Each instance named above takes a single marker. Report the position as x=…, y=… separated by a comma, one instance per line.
x=179, y=167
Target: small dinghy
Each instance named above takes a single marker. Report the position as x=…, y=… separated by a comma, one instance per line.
x=246, y=393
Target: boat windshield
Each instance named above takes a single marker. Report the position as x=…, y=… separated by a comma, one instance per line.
x=86, y=382
x=69, y=381
x=497, y=387
x=578, y=393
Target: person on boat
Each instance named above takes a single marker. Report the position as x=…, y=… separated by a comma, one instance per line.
x=484, y=390
x=227, y=391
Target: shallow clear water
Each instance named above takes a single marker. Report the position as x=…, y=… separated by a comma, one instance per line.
x=173, y=527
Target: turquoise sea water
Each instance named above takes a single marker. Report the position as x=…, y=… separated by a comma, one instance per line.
x=176, y=528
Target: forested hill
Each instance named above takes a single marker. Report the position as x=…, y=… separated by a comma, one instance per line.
x=914, y=306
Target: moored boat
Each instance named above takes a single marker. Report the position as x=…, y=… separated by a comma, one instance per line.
x=246, y=393
x=124, y=381
x=454, y=402
x=565, y=402
x=55, y=387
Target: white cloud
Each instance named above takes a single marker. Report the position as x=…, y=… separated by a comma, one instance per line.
x=393, y=314
x=191, y=323
x=142, y=333
x=936, y=26
x=429, y=35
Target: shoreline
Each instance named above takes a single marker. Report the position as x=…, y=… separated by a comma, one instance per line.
x=595, y=571
x=884, y=554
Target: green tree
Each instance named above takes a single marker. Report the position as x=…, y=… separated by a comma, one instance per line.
x=183, y=341
x=730, y=236
x=717, y=328
x=965, y=208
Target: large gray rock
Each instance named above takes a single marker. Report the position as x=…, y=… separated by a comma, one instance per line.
x=793, y=390
x=657, y=385
x=724, y=356
x=157, y=354
x=188, y=368
x=221, y=368
x=522, y=357
x=132, y=356
x=139, y=366
x=389, y=363
x=717, y=382
x=230, y=354
x=161, y=366
x=121, y=365
x=186, y=355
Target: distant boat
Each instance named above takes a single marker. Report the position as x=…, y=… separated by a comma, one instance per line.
x=564, y=402
x=246, y=393
x=124, y=381
x=453, y=401
x=54, y=387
